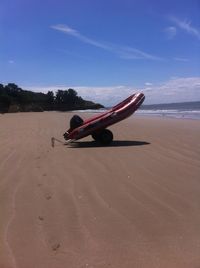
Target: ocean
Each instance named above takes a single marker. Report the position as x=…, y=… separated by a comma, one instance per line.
x=186, y=110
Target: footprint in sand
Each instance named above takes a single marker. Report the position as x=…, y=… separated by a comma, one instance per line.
x=55, y=246
x=44, y=175
x=48, y=197
x=40, y=218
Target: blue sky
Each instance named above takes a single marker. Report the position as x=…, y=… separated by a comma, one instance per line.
x=104, y=49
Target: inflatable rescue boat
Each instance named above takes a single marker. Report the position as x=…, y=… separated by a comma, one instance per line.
x=97, y=125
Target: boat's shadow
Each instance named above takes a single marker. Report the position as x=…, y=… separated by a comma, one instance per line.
x=116, y=143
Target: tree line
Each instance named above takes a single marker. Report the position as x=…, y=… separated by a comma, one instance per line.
x=16, y=99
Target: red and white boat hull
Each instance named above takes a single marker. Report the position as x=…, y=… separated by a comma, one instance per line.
x=119, y=112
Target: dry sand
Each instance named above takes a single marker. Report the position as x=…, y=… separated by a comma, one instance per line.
x=133, y=204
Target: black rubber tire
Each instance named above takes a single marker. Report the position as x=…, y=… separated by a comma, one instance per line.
x=105, y=137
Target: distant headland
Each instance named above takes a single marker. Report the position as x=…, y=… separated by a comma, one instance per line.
x=15, y=99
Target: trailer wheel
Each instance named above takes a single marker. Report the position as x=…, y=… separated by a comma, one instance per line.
x=105, y=137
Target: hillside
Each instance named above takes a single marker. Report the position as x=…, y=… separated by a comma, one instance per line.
x=16, y=99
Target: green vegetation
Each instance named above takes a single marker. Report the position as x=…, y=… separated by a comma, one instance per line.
x=15, y=99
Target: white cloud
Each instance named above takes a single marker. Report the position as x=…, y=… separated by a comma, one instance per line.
x=170, y=32
x=148, y=84
x=67, y=30
x=174, y=90
x=130, y=53
x=186, y=26
x=181, y=59
x=123, y=52
x=11, y=61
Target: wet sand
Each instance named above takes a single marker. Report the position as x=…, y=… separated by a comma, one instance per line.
x=135, y=203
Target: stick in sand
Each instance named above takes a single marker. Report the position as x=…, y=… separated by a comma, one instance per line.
x=52, y=141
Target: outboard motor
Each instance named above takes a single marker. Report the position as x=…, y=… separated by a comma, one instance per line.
x=76, y=121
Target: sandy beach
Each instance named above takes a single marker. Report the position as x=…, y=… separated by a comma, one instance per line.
x=135, y=203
